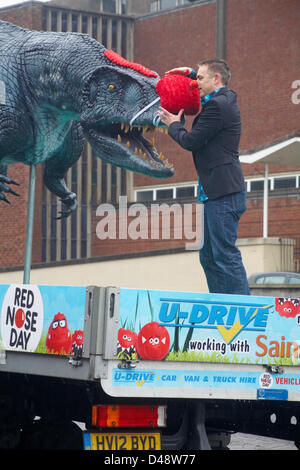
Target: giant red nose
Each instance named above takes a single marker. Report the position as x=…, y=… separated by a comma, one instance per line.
x=176, y=93
x=193, y=84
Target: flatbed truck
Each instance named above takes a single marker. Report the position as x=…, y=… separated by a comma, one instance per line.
x=145, y=369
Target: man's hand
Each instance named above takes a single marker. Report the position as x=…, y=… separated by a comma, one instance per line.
x=167, y=118
x=179, y=71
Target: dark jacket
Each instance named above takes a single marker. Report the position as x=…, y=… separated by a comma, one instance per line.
x=214, y=141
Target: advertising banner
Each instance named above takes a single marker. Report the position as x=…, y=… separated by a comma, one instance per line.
x=216, y=328
x=42, y=319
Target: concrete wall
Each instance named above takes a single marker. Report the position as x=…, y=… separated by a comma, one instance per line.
x=266, y=254
x=177, y=271
x=180, y=271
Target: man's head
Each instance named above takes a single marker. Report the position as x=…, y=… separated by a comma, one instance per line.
x=212, y=74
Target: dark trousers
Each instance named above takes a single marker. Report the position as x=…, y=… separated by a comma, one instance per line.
x=219, y=256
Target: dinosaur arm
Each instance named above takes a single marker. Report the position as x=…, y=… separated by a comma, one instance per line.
x=57, y=167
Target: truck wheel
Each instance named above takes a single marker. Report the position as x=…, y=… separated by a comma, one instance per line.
x=45, y=435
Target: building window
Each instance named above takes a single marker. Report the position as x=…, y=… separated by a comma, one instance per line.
x=285, y=182
x=124, y=39
x=153, y=6
x=185, y=191
x=142, y=196
x=164, y=4
x=109, y=6
x=74, y=23
x=275, y=182
x=104, y=32
x=161, y=193
x=123, y=7
x=114, y=35
x=165, y=194
x=157, y=5
x=64, y=22
x=53, y=21
x=84, y=24
x=257, y=185
x=94, y=27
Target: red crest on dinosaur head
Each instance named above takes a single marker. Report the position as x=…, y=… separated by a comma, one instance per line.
x=117, y=59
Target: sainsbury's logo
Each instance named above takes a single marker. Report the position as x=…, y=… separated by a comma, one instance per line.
x=229, y=318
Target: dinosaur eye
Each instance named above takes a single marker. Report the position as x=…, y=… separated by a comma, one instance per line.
x=111, y=87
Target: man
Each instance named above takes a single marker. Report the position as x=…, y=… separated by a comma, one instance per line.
x=213, y=141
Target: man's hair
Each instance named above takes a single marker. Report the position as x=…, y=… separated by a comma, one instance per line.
x=218, y=66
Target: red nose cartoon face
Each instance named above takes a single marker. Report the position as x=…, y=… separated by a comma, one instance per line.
x=287, y=307
x=153, y=342
x=77, y=342
x=127, y=338
x=59, y=338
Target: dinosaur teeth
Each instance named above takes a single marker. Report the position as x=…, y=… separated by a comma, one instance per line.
x=128, y=144
x=122, y=125
x=126, y=128
x=119, y=138
x=136, y=151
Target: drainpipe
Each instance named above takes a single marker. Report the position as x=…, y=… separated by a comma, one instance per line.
x=221, y=30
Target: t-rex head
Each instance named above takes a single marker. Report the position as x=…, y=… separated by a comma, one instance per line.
x=119, y=108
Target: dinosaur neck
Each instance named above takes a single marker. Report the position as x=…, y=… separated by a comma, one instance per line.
x=55, y=75
x=50, y=85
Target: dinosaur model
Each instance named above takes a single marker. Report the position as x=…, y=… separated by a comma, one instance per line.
x=58, y=89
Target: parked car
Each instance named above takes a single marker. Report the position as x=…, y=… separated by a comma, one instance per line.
x=279, y=277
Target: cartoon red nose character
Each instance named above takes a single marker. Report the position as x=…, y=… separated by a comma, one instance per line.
x=287, y=307
x=127, y=338
x=77, y=342
x=59, y=338
x=153, y=342
x=126, y=341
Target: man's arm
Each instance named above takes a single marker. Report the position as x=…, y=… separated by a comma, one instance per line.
x=208, y=124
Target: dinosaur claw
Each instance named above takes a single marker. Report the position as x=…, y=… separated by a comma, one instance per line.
x=5, y=179
x=13, y=192
x=3, y=198
x=64, y=215
x=71, y=204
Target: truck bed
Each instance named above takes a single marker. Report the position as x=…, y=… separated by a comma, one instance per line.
x=150, y=343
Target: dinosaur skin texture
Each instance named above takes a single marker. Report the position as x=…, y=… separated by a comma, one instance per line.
x=58, y=89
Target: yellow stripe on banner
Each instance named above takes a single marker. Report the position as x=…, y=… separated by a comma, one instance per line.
x=229, y=334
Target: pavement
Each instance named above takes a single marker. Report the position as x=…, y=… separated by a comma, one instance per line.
x=240, y=441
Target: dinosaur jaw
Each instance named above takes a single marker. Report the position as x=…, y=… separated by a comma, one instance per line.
x=127, y=147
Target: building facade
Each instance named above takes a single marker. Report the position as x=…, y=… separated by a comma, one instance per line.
x=260, y=41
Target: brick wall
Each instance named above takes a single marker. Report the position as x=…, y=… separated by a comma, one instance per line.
x=139, y=224
x=29, y=16
x=283, y=218
x=263, y=51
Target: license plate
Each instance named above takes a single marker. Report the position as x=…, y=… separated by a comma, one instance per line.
x=122, y=441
